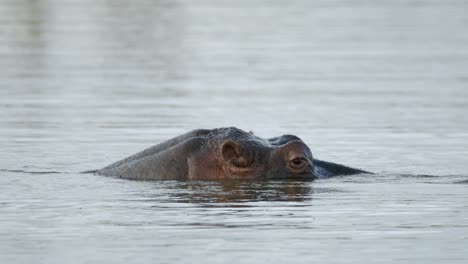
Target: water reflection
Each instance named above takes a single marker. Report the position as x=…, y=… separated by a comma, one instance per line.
x=238, y=191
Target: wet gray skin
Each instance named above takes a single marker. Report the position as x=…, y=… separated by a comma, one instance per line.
x=226, y=153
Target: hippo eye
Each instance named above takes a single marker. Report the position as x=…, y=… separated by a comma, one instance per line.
x=298, y=162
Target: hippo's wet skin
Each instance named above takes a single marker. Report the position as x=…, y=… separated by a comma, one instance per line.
x=226, y=153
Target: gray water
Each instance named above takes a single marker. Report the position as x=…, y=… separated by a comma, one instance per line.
x=380, y=85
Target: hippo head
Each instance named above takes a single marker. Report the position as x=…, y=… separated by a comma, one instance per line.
x=246, y=156
x=225, y=153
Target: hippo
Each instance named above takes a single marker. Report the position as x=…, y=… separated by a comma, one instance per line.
x=226, y=154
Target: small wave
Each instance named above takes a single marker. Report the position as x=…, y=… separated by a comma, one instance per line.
x=418, y=176
x=31, y=172
x=89, y=171
x=462, y=182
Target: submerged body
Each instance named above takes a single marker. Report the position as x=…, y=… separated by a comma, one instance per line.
x=226, y=153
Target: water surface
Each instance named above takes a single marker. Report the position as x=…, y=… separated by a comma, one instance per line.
x=380, y=85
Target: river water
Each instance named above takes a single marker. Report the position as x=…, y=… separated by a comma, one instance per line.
x=379, y=85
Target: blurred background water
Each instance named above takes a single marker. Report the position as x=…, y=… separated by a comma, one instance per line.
x=380, y=85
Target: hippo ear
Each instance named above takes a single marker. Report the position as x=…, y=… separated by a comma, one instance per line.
x=233, y=153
